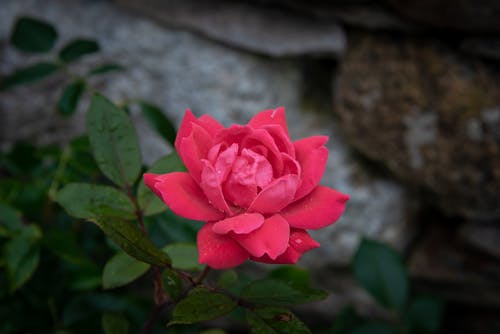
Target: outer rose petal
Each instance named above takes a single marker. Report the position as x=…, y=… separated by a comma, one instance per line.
x=268, y=117
x=219, y=251
x=183, y=196
x=300, y=242
x=322, y=207
x=210, y=184
x=276, y=196
x=244, y=223
x=194, y=148
x=312, y=156
x=271, y=238
x=211, y=125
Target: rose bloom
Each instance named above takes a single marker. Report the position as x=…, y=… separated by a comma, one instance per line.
x=255, y=189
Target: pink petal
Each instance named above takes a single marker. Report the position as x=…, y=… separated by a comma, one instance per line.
x=234, y=134
x=290, y=165
x=150, y=180
x=219, y=251
x=322, y=207
x=185, y=128
x=211, y=126
x=281, y=139
x=276, y=196
x=312, y=156
x=240, y=224
x=261, y=137
x=271, y=238
x=300, y=242
x=194, y=148
x=241, y=195
x=268, y=117
x=184, y=197
x=211, y=186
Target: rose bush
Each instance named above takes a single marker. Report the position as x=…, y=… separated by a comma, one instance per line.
x=256, y=190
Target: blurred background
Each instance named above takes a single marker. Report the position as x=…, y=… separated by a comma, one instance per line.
x=407, y=90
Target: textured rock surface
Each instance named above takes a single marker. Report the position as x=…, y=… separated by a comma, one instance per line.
x=430, y=116
x=261, y=30
x=176, y=70
x=464, y=15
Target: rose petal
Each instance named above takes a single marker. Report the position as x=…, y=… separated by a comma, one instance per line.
x=211, y=126
x=276, y=196
x=267, y=117
x=271, y=238
x=241, y=195
x=322, y=207
x=194, y=148
x=211, y=186
x=150, y=180
x=312, y=156
x=281, y=139
x=244, y=223
x=261, y=137
x=219, y=251
x=184, y=197
x=234, y=134
x=300, y=242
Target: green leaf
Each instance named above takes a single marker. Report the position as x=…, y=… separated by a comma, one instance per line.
x=133, y=241
x=292, y=275
x=77, y=48
x=114, y=141
x=424, y=315
x=279, y=293
x=184, y=256
x=121, y=270
x=70, y=97
x=202, y=305
x=158, y=121
x=227, y=279
x=10, y=220
x=115, y=323
x=63, y=243
x=33, y=35
x=274, y=320
x=148, y=201
x=345, y=321
x=89, y=201
x=379, y=270
x=374, y=328
x=29, y=74
x=106, y=68
x=22, y=255
x=214, y=331
x=172, y=283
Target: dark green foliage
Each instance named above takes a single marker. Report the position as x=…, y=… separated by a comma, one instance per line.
x=379, y=270
x=157, y=119
x=202, y=305
x=70, y=97
x=77, y=49
x=29, y=74
x=33, y=35
x=114, y=142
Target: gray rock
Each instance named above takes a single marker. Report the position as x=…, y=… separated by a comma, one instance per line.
x=485, y=237
x=462, y=15
x=484, y=47
x=262, y=30
x=179, y=70
x=361, y=14
x=429, y=115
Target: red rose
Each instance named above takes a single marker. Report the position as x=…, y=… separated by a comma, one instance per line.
x=256, y=190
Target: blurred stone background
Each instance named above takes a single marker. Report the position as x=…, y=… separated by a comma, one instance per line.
x=408, y=91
